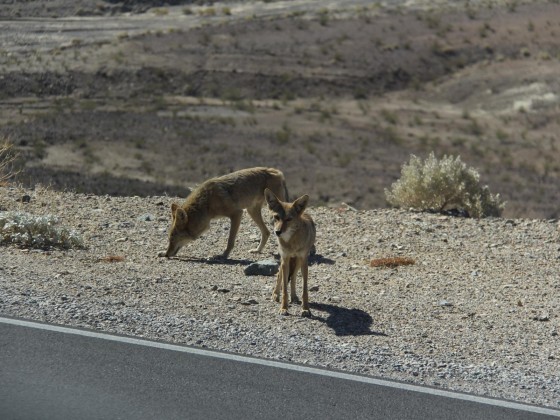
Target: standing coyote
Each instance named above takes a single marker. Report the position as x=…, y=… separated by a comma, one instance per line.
x=224, y=196
x=295, y=232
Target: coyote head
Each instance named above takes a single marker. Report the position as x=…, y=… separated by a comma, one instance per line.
x=178, y=234
x=285, y=214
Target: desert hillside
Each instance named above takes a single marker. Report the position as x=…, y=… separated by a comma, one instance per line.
x=151, y=97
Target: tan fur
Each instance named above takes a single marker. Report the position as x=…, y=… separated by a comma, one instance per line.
x=224, y=196
x=295, y=232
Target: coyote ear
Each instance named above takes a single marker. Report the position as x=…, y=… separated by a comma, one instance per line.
x=174, y=207
x=271, y=199
x=301, y=203
x=180, y=215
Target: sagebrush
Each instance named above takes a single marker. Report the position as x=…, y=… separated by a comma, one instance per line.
x=440, y=185
x=27, y=230
x=7, y=158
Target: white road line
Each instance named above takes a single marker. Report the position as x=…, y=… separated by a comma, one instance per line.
x=282, y=365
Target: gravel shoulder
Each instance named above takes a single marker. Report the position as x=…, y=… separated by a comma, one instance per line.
x=477, y=312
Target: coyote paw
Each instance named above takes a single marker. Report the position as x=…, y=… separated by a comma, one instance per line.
x=162, y=254
x=255, y=251
x=284, y=312
x=306, y=313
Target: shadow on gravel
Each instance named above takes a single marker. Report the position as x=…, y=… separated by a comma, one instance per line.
x=313, y=259
x=319, y=259
x=214, y=261
x=346, y=321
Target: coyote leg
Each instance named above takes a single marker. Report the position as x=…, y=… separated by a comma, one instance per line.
x=294, y=268
x=256, y=215
x=276, y=290
x=285, y=274
x=235, y=223
x=305, y=294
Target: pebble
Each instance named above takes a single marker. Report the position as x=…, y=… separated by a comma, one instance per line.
x=146, y=217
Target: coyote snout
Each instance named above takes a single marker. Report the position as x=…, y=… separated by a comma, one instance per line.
x=295, y=231
x=178, y=234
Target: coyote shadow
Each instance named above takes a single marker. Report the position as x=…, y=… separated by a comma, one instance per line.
x=345, y=321
x=312, y=259
x=214, y=261
x=319, y=259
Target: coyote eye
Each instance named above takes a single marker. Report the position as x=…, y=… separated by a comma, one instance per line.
x=276, y=217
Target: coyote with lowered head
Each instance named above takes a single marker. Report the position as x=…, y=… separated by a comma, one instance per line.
x=295, y=232
x=224, y=196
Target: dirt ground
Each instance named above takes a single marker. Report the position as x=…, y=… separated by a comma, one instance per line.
x=149, y=98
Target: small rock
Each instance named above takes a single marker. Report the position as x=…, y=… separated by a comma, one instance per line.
x=444, y=303
x=250, y=302
x=25, y=199
x=541, y=317
x=262, y=268
x=146, y=217
x=314, y=289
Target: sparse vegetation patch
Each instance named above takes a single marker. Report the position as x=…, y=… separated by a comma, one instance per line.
x=43, y=232
x=7, y=158
x=391, y=262
x=439, y=185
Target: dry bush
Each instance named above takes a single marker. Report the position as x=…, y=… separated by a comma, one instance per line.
x=7, y=158
x=440, y=185
x=391, y=262
x=43, y=232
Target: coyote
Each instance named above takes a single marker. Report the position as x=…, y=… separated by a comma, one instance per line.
x=224, y=196
x=295, y=232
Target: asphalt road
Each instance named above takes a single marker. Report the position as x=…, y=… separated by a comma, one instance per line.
x=51, y=372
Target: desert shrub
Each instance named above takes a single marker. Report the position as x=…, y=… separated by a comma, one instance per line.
x=24, y=229
x=439, y=185
x=391, y=262
x=7, y=158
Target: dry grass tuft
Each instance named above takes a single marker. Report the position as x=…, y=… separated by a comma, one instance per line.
x=7, y=158
x=391, y=262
